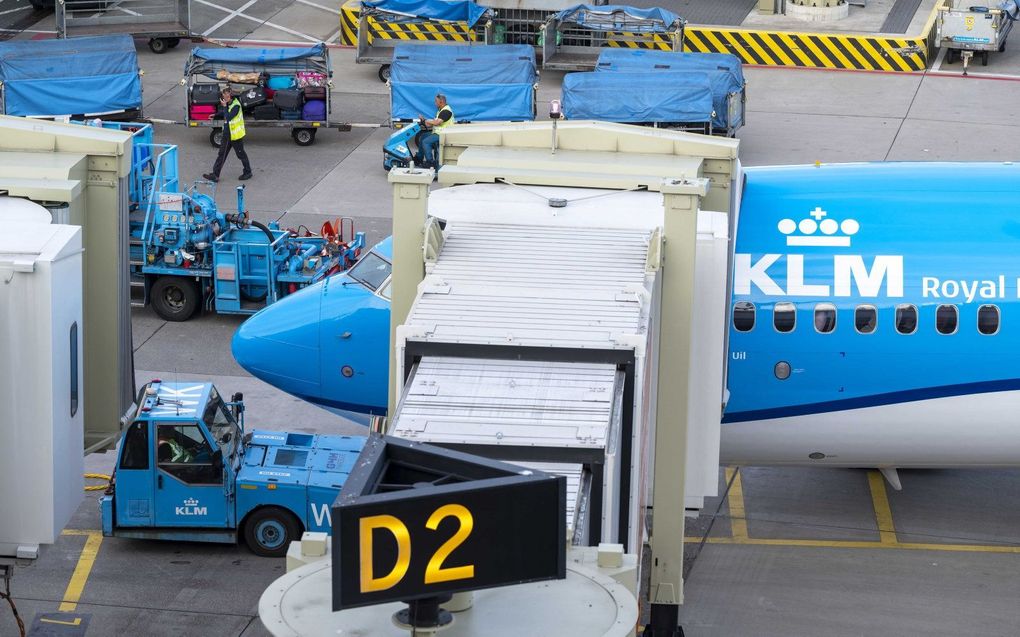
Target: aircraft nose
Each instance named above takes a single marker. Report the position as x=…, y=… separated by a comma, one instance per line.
x=280, y=344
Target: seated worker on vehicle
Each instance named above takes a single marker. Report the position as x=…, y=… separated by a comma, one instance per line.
x=428, y=142
x=169, y=450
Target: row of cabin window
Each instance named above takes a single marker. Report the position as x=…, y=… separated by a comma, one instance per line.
x=784, y=318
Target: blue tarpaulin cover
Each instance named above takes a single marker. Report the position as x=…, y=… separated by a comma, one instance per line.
x=439, y=10
x=615, y=17
x=257, y=56
x=481, y=83
x=724, y=70
x=638, y=97
x=76, y=76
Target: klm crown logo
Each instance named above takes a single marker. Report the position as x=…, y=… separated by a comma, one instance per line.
x=818, y=230
x=191, y=502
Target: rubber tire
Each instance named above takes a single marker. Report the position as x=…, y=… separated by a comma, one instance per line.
x=984, y=58
x=1002, y=48
x=384, y=73
x=173, y=42
x=158, y=45
x=216, y=137
x=303, y=136
x=950, y=56
x=273, y=520
x=189, y=300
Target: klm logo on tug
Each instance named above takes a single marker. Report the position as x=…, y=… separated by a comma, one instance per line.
x=849, y=271
x=191, y=508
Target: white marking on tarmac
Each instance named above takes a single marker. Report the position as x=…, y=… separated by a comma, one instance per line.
x=14, y=10
x=230, y=14
x=332, y=38
x=332, y=10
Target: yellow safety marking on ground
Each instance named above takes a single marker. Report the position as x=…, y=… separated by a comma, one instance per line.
x=735, y=501
x=850, y=544
x=82, y=570
x=76, y=622
x=883, y=512
x=349, y=12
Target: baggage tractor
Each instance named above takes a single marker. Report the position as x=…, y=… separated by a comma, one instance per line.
x=265, y=111
x=252, y=97
x=288, y=99
x=314, y=110
x=205, y=94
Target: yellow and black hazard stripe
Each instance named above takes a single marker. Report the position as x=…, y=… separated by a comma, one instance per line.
x=349, y=12
x=420, y=31
x=819, y=50
x=627, y=40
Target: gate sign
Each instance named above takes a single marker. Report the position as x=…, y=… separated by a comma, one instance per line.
x=415, y=521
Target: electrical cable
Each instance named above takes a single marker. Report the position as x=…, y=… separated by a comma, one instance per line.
x=6, y=595
x=97, y=476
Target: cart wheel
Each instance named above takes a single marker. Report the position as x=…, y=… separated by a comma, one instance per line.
x=384, y=73
x=1002, y=47
x=950, y=56
x=984, y=58
x=174, y=298
x=216, y=137
x=158, y=45
x=303, y=136
x=173, y=42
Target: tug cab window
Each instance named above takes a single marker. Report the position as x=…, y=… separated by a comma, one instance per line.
x=136, y=447
x=906, y=318
x=865, y=319
x=825, y=318
x=743, y=316
x=947, y=318
x=183, y=452
x=784, y=317
x=988, y=320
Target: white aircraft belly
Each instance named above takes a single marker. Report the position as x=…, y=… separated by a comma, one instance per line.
x=959, y=431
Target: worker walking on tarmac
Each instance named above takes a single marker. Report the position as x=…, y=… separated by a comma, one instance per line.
x=428, y=143
x=233, y=136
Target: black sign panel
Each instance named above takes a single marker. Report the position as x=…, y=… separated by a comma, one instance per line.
x=422, y=521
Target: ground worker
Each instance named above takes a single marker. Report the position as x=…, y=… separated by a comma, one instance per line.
x=233, y=136
x=428, y=144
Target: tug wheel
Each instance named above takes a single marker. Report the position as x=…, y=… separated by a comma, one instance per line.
x=270, y=530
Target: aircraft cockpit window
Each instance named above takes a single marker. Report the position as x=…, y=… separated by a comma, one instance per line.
x=372, y=270
x=947, y=317
x=988, y=319
x=906, y=318
x=865, y=319
x=825, y=318
x=784, y=317
x=743, y=316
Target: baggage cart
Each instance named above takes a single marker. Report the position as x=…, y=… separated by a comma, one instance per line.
x=244, y=70
x=164, y=23
x=573, y=38
x=962, y=26
x=384, y=24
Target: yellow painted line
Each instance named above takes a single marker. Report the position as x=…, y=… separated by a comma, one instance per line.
x=76, y=622
x=735, y=502
x=883, y=513
x=850, y=544
x=82, y=570
x=794, y=49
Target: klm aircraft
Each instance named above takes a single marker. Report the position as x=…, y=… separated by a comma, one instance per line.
x=874, y=312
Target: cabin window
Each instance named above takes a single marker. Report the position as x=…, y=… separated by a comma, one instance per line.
x=906, y=318
x=947, y=318
x=825, y=318
x=136, y=447
x=784, y=317
x=743, y=316
x=183, y=452
x=988, y=319
x=865, y=319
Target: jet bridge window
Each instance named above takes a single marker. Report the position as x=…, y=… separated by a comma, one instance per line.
x=865, y=319
x=988, y=319
x=906, y=318
x=784, y=317
x=947, y=318
x=743, y=316
x=825, y=318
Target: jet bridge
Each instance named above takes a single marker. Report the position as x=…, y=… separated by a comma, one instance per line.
x=543, y=310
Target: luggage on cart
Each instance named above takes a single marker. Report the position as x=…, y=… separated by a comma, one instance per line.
x=252, y=97
x=201, y=111
x=265, y=111
x=205, y=94
x=314, y=92
x=289, y=99
x=281, y=82
x=314, y=111
x=310, y=78
x=294, y=114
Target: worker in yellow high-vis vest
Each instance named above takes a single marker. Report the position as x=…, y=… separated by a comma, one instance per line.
x=233, y=136
x=428, y=143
